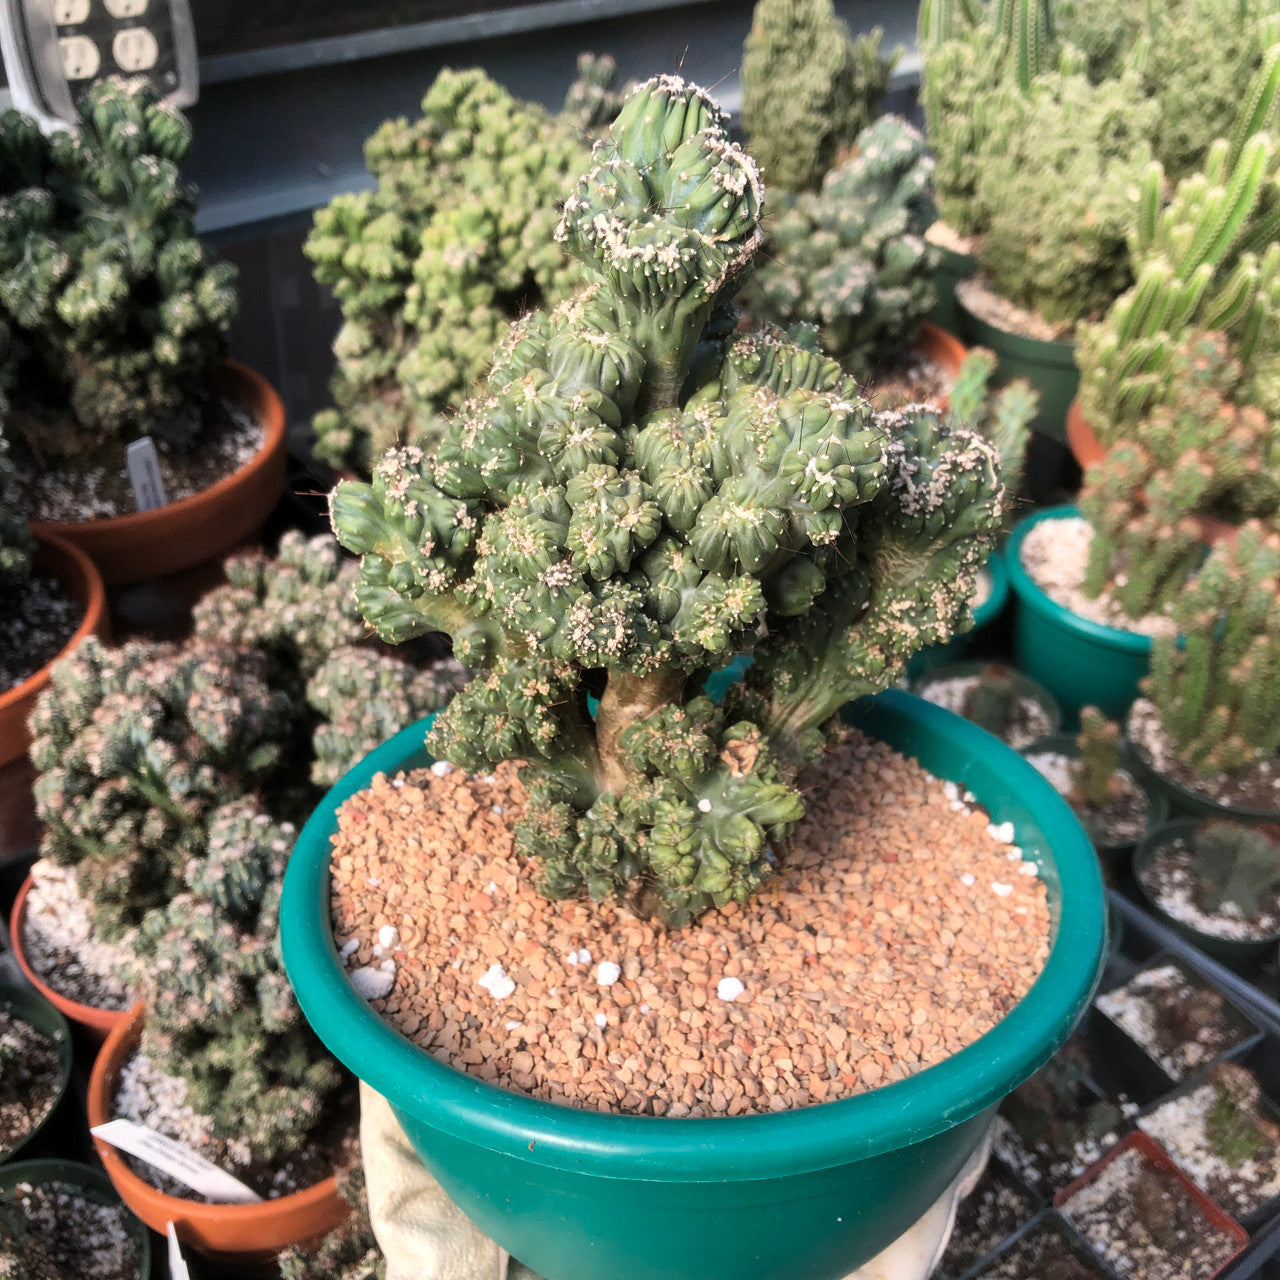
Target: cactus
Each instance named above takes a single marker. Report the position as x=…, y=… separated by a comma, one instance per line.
x=1204, y=451
x=592, y=101
x=1003, y=418
x=220, y=1014
x=136, y=748
x=16, y=543
x=1236, y=863
x=994, y=700
x=1237, y=1129
x=635, y=498
x=1217, y=689
x=116, y=315
x=1095, y=773
x=349, y=1252
x=851, y=260
x=432, y=266
x=808, y=89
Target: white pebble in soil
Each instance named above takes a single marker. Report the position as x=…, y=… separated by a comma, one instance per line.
x=497, y=983
x=372, y=983
x=1055, y=554
x=729, y=989
x=607, y=973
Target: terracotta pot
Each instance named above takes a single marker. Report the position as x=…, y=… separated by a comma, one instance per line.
x=75, y=571
x=97, y=1023
x=1085, y=445
x=149, y=544
x=945, y=350
x=251, y=1234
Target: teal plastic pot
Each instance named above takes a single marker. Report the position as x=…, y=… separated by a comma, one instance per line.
x=92, y=1183
x=1050, y=367
x=1243, y=955
x=801, y=1195
x=32, y=1008
x=940, y=655
x=952, y=268
x=1082, y=663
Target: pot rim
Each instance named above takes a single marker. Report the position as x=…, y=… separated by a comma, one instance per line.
x=1032, y=596
x=1052, y=353
x=741, y=1148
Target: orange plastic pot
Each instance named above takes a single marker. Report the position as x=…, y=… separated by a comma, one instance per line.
x=1085, y=446
x=248, y=1234
x=60, y=559
x=945, y=350
x=149, y=544
x=97, y=1023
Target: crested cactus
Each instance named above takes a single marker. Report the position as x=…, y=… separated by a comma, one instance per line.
x=1216, y=689
x=220, y=1014
x=635, y=498
x=116, y=314
x=16, y=543
x=1204, y=452
x=808, y=89
x=851, y=259
x=136, y=748
x=431, y=267
x=1236, y=863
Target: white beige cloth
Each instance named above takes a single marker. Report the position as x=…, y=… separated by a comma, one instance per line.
x=425, y=1236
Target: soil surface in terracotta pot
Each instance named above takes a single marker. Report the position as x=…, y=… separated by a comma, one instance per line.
x=150, y=1096
x=30, y=1079
x=872, y=954
x=1145, y=1224
x=97, y=485
x=996, y=1208
x=82, y=1238
x=38, y=617
x=1181, y=1023
x=1055, y=1125
x=62, y=947
x=977, y=294
x=1120, y=821
x=1224, y=1138
x=1045, y=1254
x=1019, y=724
x=1170, y=878
x=1258, y=788
x=912, y=378
x=1055, y=555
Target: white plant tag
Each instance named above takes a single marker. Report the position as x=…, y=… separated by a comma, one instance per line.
x=177, y=1264
x=144, y=472
x=176, y=1160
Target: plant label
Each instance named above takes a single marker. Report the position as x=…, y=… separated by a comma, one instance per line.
x=177, y=1161
x=144, y=472
x=177, y=1263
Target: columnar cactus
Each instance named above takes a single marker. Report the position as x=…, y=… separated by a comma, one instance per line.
x=808, y=89
x=16, y=543
x=593, y=100
x=136, y=748
x=1217, y=688
x=1204, y=451
x=1236, y=864
x=220, y=1014
x=1095, y=773
x=1003, y=418
x=117, y=315
x=851, y=260
x=635, y=498
x=432, y=266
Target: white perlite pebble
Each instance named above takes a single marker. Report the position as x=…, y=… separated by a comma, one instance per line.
x=373, y=983
x=608, y=973
x=496, y=982
x=579, y=957
x=704, y=805
x=349, y=948
x=968, y=878
x=601, y=1020
x=388, y=936
x=729, y=989
x=1001, y=890
x=442, y=768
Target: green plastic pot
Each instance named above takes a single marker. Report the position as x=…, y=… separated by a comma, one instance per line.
x=1049, y=366
x=939, y=655
x=32, y=1008
x=1242, y=955
x=1028, y=689
x=806, y=1195
x=1181, y=802
x=952, y=268
x=93, y=1183
x=1081, y=662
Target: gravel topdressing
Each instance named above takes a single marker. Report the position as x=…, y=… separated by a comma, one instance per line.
x=82, y=1239
x=29, y=1081
x=1170, y=878
x=1029, y=722
x=1055, y=554
x=901, y=927
x=37, y=620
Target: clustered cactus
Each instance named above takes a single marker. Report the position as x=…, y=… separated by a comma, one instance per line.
x=16, y=543
x=220, y=1013
x=1216, y=685
x=808, y=89
x=1236, y=863
x=433, y=265
x=115, y=314
x=851, y=260
x=636, y=497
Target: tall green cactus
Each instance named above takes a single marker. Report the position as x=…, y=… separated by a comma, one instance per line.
x=1002, y=418
x=808, y=89
x=116, y=315
x=634, y=498
x=851, y=260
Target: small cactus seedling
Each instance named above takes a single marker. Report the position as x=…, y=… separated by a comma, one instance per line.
x=636, y=497
x=1237, y=863
x=1095, y=773
x=1237, y=1130
x=994, y=700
